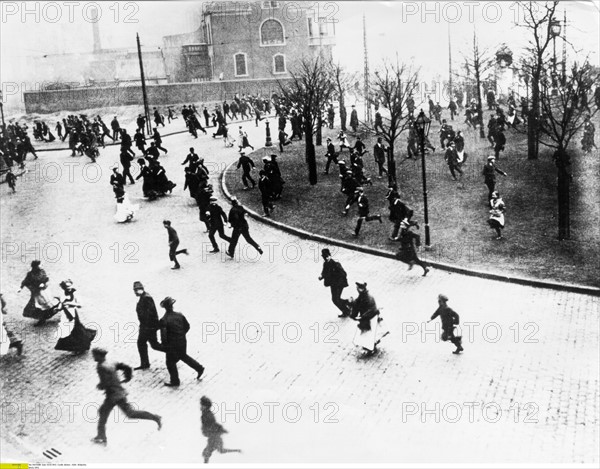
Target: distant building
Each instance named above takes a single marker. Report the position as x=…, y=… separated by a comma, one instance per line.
x=248, y=40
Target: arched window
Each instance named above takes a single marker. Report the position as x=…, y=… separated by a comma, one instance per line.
x=279, y=63
x=239, y=60
x=271, y=33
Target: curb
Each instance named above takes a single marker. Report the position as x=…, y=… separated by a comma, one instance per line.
x=438, y=265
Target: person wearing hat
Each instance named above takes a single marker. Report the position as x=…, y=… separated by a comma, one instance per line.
x=212, y=430
x=140, y=141
x=489, y=174
x=274, y=175
x=39, y=306
x=369, y=331
x=244, y=143
x=331, y=155
x=334, y=276
x=450, y=320
x=125, y=158
x=398, y=210
x=359, y=147
x=247, y=166
x=283, y=140
x=173, y=244
x=117, y=181
x=141, y=123
x=75, y=337
x=379, y=152
x=238, y=222
x=158, y=118
x=148, y=318
x=409, y=242
x=173, y=329
x=350, y=188
x=116, y=129
x=451, y=157
x=497, y=209
x=363, y=211
x=354, y=119
x=266, y=191
x=115, y=395
x=216, y=218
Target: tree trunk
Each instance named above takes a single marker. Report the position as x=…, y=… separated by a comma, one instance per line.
x=480, y=118
x=391, y=165
x=533, y=120
x=563, y=191
x=311, y=159
x=319, y=129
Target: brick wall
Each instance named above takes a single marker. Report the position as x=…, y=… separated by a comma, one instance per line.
x=87, y=98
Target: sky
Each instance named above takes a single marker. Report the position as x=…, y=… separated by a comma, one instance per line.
x=407, y=31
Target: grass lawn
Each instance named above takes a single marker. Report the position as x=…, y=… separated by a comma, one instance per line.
x=458, y=212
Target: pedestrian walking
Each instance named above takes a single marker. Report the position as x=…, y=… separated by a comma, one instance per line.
x=158, y=140
x=173, y=244
x=238, y=222
x=216, y=218
x=497, y=209
x=334, y=276
x=173, y=329
x=354, y=119
x=489, y=175
x=213, y=431
x=363, y=211
x=379, y=152
x=148, y=318
x=111, y=384
x=450, y=320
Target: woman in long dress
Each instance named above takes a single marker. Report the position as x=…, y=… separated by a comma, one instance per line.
x=125, y=209
x=41, y=305
x=371, y=328
x=496, y=220
x=74, y=336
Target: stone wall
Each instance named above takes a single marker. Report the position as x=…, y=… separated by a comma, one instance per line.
x=158, y=95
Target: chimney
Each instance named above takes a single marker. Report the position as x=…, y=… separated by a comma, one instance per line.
x=96, y=30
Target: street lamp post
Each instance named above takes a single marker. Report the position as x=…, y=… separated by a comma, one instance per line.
x=422, y=124
x=268, y=143
x=555, y=28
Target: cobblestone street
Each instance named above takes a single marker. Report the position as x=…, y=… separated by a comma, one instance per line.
x=281, y=369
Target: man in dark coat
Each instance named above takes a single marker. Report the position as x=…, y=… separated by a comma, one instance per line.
x=398, y=211
x=354, y=119
x=331, y=155
x=216, y=217
x=111, y=384
x=363, y=211
x=489, y=174
x=116, y=129
x=239, y=224
x=247, y=165
x=265, y=187
x=173, y=328
x=126, y=160
x=379, y=154
x=148, y=317
x=450, y=320
x=334, y=276
x=451, y=157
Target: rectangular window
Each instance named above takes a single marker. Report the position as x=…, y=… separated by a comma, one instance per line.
x=279, y=61
x=322, y=26
x=310, y=27
x=240, y=65
x=270, y=5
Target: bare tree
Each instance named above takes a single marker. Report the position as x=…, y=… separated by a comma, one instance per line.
x=311, y=87
x=538, y=19
x=394, y=84
x=479, y=63
x=563, y=116
x=344, y=81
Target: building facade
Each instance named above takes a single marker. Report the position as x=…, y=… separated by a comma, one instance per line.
x=248, y=40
